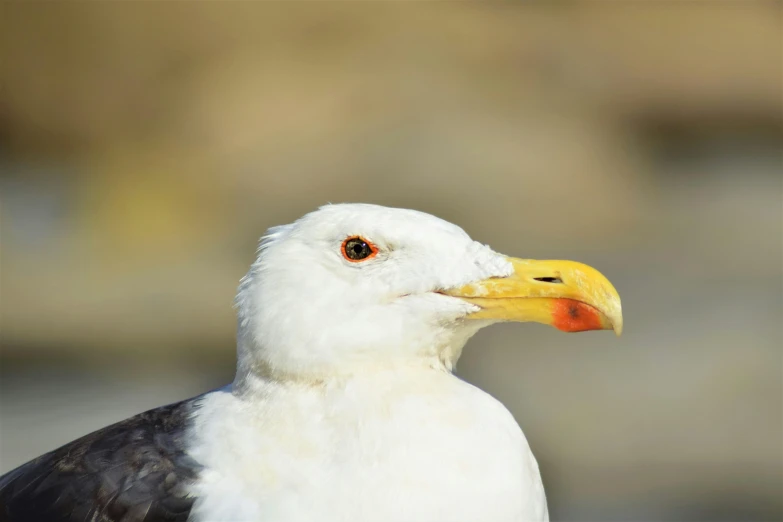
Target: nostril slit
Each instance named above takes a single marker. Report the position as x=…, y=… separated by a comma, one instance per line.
x=549, y=279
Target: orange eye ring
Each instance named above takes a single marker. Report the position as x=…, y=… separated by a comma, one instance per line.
x=356, y=249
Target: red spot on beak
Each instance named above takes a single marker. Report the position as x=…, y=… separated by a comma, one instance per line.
x=570, y=315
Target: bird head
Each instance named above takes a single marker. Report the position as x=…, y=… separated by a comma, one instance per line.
x=351, y=287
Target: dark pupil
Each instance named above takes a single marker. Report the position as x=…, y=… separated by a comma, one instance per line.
x=357, y=249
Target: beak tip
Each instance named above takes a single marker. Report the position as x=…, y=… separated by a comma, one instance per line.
x=617, y=325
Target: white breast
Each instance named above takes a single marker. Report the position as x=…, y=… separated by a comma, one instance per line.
x=420, y=447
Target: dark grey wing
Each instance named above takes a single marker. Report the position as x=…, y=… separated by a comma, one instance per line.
x=133, y=471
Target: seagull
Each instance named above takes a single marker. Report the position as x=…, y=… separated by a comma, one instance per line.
x=344, y=406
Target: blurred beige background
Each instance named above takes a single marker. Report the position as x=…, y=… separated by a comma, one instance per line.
x=144, y=148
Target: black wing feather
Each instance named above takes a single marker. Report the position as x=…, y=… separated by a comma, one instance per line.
x=134, y=471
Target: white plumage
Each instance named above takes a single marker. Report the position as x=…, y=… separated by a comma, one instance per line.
x=344, y=407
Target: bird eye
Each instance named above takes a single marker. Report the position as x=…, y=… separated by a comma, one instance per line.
x=358, y=249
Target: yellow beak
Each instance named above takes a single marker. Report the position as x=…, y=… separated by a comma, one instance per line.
x=567, y=295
